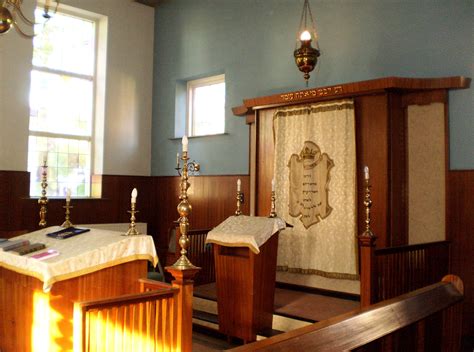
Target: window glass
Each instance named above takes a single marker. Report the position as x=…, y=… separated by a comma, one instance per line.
x=65, y=43
x=206, y=106
x=62, y=106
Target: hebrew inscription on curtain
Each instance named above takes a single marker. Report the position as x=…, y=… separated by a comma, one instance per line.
x=315, y=186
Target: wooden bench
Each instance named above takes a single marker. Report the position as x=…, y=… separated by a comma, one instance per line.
x=428, y=319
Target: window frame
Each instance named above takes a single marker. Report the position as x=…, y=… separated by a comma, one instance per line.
x=190, y=87
x=82, y=15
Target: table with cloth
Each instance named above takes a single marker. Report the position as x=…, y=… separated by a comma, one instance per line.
x=37, y=296
x=245, y=253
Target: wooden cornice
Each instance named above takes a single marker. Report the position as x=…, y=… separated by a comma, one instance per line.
x=351, y=89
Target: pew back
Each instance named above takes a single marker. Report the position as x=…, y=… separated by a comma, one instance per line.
x=379, y=323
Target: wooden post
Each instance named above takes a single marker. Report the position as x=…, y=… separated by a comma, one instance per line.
x=452, y=319
x=367, y=268
x=183, y=280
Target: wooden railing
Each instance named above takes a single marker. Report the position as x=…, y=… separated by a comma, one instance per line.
x=403, y=269
x=427, y=319
x=388, y=272
x=200, y=254
x=159, y=318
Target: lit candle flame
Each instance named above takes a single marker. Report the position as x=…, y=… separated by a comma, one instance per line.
x=305, y=35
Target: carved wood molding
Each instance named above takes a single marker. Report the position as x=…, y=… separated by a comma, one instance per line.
x=350, y=89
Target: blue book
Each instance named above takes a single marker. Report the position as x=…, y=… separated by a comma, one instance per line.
x=67, y=232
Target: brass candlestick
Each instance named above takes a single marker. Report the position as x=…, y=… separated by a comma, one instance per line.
x=367, y=203
x=240, y=200
x=273, y=213
x=43, y=200
x=132, y=230
x=184, y=209
x=67, y=222
x=192, y=168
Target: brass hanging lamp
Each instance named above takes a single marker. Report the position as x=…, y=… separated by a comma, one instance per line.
x=11, y=15
x=306, y=56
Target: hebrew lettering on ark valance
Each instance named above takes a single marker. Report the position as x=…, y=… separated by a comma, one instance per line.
x=309, y=184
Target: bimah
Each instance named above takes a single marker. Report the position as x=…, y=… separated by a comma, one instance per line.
x=245, y=253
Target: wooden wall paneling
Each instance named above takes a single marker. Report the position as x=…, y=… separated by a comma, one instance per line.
x=265, y=156
x=14, y=185
x=398, y=172
x=213, y=199
x=461, y=233
x=372, y=146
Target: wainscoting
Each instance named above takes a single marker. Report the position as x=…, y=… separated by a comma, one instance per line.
x=460, y=215
x=213, y=200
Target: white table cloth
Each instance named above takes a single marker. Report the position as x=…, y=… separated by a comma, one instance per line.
x=78, y=255
x=245, y=231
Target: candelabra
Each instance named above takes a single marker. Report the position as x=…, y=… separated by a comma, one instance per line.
x=192, y=167
x=43, y=200
x=132, y=230
x=184, y=209
x=240, y=200
x=273, y=213
x=67, y=222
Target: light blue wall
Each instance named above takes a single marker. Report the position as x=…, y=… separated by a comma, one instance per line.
x=252, y=41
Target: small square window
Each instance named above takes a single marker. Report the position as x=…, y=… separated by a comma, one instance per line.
x=206, y=106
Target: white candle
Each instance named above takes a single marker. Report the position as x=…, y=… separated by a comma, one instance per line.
x=238, y=185
x=134, y=195
x=273, y=185
x=177, y=160
x=185, y=143
x=366, y=172
x=68, y=195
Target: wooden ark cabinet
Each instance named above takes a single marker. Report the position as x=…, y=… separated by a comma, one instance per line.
x=399, y=123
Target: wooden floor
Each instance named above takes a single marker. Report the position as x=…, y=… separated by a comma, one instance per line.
x=205, y=342
x=291, y=301
x=297, y=303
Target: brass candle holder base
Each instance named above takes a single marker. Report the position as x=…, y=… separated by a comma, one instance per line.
x=67, y=222
x=132, y=230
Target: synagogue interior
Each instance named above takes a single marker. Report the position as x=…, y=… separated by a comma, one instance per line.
x=207, y=175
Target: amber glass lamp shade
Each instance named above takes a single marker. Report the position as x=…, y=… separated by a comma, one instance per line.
x=6, y=20
x=306, y=58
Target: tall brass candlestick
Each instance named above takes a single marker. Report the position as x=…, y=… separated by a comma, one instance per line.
x=184, y=209
x=132, y=230
x=273, y=213
x=67, y=222
x=43, y=200
x=367, y=204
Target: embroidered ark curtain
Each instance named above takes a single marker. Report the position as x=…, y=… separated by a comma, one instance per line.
x=315, y=188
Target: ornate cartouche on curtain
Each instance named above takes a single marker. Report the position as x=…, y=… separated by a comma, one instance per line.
x=309, y=184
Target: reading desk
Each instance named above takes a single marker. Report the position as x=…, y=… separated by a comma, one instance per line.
x=37, y=296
